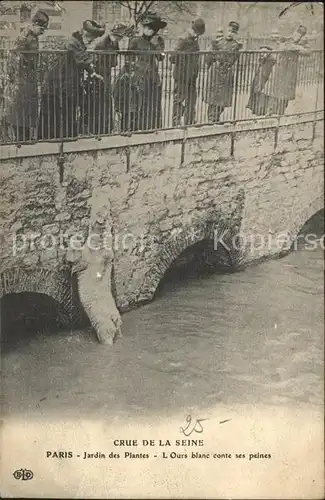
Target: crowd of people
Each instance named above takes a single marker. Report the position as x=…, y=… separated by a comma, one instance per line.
x=75, y=90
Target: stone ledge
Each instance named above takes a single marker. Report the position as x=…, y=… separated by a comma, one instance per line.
x=160, y=136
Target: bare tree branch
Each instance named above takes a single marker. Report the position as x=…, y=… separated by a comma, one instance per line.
x=4, y=9
x=141, y=8
x=138, y=9
x=123, y=4
x=181, y=7
x=130, y=8
x=127, y=5
x=147, y=6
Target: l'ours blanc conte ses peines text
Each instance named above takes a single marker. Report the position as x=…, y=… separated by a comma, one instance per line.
x=152, y=442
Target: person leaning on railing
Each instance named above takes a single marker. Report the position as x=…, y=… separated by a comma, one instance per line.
x=63, y=90
x=21, y=109
x=282, y=83
x=186, y=70
x=97, y=114
x=224, y=53
x=258, y=102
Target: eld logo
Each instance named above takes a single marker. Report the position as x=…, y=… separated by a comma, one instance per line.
x=23, y=474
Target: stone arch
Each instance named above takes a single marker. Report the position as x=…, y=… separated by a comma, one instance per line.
x=315, y=206
x=51, y=282
x=170, y=249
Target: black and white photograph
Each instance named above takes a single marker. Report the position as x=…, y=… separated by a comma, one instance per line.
x=162, y=249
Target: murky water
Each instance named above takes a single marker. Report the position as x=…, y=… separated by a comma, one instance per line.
x=254, y=337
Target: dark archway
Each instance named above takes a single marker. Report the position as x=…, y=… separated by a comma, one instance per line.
x=38, y=302
x=27, y=315
x=315, y=224
x=196, y=261
x=304, y=219
x=310, y=233
x=212, y=243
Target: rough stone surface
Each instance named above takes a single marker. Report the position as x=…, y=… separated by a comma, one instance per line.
x=261, y=183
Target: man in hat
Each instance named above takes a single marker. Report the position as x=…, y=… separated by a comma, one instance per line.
x=23, y=78
x=64, y=92
x=98, y=112
x=224, y=53
x=150, y=48
x=186, y=61
x=281, y=86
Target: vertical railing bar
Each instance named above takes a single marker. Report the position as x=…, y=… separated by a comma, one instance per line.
x=235, y=90
x=240, y=63
x=128, y=105
x=93, y=94
x=165, y=92
x=61, y=97
x=197, y=85
x=150, y=116
x=316, y=104
x=106, y=92
x=171, y=88
x=45, y=96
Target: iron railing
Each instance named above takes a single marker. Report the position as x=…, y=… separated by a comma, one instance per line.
x=44, y=97
x=314, y=42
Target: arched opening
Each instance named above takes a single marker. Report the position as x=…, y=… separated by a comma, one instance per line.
x=200, y=249
x=310, y=233
x=38, y=302
x=27, y=315
x=197, y=261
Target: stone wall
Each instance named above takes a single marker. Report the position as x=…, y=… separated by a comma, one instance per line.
x=166, y=191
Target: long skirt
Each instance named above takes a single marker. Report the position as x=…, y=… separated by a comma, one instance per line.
x=97, y=109
x=264, y=105
x=58, y=116
x=150, y=114
x=22, y=110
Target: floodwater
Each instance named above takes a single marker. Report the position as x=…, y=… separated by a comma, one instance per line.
x=253, y=337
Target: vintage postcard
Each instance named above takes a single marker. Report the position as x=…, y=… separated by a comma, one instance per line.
x=161, y=249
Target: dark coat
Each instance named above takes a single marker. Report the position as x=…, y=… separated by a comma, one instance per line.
x=64, y=89
x=186, y=65
x=146, y=62
x=67, y=69
x=258, y=102
x=97, y=104
x=221, y=74
x=104, y=63
x=283, y=79
x=128, y=91
x=22, y=106
x=262, y=74
x=146, y=71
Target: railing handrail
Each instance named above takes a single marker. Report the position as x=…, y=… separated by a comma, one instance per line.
x=152, y=52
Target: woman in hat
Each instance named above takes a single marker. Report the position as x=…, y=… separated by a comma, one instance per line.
x=64, y=91
x=149, y=53
x=23, y=77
